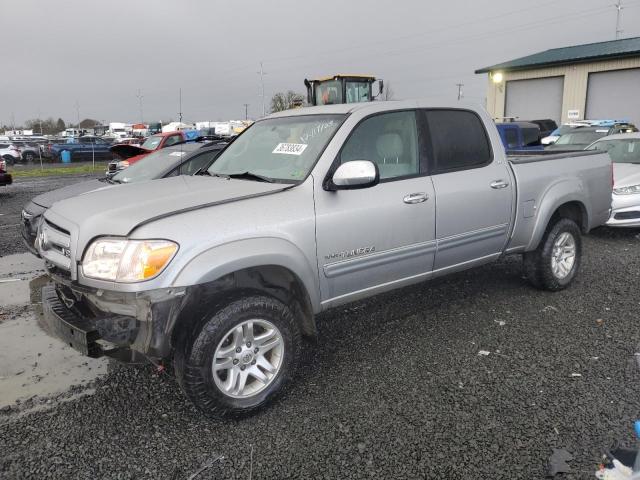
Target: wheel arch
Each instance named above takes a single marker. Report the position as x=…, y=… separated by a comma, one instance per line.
x=564, y=207
x=269, y=266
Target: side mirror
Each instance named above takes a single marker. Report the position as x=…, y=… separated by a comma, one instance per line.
x=354, y=175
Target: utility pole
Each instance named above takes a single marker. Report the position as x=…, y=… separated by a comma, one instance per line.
x=262, y=73
x=140, y=97
x=619, y=9
x=460, y=95
x=246, y=111
x=180, y=112
x=78, y=115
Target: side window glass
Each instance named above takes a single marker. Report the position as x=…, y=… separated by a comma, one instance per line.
x=194, y=164
x=511, y=136
x=172, y=140
x=388, y=139
x=458, y=139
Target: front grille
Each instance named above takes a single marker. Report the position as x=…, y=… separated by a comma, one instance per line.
x=112, y=167
x=627, y=215
x=54, y=244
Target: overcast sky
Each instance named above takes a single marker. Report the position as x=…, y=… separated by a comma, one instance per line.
x=99, y=53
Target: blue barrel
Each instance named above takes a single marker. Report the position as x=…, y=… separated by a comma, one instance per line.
x=65, y=156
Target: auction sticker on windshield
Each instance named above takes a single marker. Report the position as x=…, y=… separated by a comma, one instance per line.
x=290, y=148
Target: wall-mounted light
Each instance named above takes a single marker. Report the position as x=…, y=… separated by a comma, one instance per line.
x=497, y=77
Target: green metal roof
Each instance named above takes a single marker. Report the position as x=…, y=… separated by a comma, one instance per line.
x=627, y=47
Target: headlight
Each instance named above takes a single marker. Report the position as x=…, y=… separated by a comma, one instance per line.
x=627, y=190
x=122, y=164
x=127, y=261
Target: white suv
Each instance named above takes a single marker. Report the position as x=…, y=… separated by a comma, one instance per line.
x=10, y=153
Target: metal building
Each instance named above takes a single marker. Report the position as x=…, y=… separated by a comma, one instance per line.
x=593, y=81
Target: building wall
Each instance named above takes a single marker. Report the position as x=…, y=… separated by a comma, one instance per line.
x=576, y=78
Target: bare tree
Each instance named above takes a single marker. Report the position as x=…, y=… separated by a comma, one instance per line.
x=284, y=101
x=388, y=93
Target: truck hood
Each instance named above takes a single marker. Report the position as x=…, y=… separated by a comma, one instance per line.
x=47, y=199
x=118, y=211
x=626, y=174
x=128, y=151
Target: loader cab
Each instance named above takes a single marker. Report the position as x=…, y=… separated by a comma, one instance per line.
x=342, y=89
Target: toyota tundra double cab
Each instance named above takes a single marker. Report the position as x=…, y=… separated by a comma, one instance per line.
x=224, y=273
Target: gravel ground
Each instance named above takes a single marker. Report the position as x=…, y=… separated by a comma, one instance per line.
x=395, y=387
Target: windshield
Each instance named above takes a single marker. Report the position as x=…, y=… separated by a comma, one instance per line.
x=152, y=142
x=620, y=151
x=579, y=137
x=154, y=165
x=281, y=149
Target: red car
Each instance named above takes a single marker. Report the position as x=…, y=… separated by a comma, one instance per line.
x=126, y=155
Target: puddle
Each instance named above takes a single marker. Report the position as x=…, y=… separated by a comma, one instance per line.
x=32, y=363
x=16, y=271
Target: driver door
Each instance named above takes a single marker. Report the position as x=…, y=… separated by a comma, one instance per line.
x=382, y=237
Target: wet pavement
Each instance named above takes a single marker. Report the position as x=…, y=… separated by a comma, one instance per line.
x=35, y=368
x=471, y=376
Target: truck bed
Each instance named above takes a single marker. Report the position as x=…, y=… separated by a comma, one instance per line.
x=531, y=156
x=550, y=178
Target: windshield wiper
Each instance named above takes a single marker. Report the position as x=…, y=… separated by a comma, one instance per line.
x=251, y=176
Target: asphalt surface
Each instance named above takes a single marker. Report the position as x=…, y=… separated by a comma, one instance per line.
x=14, y=197
x=473, y=376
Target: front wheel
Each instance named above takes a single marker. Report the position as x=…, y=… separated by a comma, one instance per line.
x=555, y=263
x=239, y=357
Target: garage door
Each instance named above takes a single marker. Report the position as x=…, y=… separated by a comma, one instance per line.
x=535, y=99
x=614, y=95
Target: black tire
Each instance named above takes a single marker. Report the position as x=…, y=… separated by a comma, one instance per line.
x=194, y=355
x=10, y=160
x=29, y=157
x=538, y=264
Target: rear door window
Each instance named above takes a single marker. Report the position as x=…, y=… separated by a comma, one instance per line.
x=458, y=140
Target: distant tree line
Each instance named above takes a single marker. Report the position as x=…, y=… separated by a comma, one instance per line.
x=50, y=126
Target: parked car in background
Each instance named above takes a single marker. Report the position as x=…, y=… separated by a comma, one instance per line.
x=82, y=148
x=546, y=126
x=183, y=159
x=5, y=177
x=129, y=141
x=624, y=150
x=519, y=136
x=224, y=273
x=126, y=155
x=10, y=153
x=614, y=126
x=578, y=138
x=29, y=150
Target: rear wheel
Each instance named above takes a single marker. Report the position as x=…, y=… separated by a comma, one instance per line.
x=29, y=156
x=555, y=263
x=239, y=357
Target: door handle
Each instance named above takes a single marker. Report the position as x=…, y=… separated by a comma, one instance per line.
x=416, y=198
x=497, y=184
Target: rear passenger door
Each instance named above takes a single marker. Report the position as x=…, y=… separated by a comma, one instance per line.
x=382, y=237
x=473, y=187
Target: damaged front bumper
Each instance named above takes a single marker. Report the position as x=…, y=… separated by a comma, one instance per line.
x=121, y=325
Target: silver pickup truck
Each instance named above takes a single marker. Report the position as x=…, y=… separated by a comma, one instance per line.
x=308, y=209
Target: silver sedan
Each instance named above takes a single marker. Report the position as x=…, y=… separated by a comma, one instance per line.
x=624, y=150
